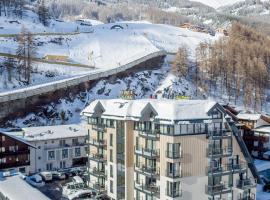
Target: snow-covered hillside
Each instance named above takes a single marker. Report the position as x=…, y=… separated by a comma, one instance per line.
x=218, y=3
x=103, y=46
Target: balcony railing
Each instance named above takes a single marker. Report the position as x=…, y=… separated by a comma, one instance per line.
x=150, y=189
x=15, y=152
x=97, y=157
x=14, y=164
x=219, y=134
x=220, y=188
x=250, y=196
x=151, y=134
x=219, y=152
x=99, y=127
x=174, y=173
x=225, y=169
x=97, y=172
x=174, y=154
x=147, y=170
x=100, y=188
x=146, y=152
x=97, y=143
x=174, y=193
x=245, y=184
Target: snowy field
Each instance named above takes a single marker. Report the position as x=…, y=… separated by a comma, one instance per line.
x=104, y=46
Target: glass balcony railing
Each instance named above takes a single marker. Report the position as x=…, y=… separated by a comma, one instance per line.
x=99, y=127
x=174, y=193
x=225, y=169
x=150, y=134
x=150, y=189
x=220, y=188
x=219, y=134
x=174, y=173
x=97, y=172
x=97, y=143
x=97, y=157
x=98, y=187
x=245, y=184
x=219, y=152
x=150, y=171
x=147, y=152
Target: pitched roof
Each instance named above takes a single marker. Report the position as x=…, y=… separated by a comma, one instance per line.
x=165, y=109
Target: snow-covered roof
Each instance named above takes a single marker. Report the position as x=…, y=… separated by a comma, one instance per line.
x=164, y=109
x=249, y=116
x=51, y=132
x=262, y=129
x=15, y=188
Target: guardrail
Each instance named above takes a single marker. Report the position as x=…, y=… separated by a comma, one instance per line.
x=24, y=93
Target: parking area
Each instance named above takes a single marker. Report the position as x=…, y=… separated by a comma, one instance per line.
x=53, y=189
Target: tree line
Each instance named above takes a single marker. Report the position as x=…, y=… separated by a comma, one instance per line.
x=235, y=68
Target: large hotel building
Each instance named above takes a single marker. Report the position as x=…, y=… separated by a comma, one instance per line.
x=166, y=149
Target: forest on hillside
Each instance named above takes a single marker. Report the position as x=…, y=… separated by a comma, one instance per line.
x=236, y=67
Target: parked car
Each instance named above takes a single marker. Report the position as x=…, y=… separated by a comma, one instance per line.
x=77, y=179
x=76, y=171
x=81, y=194
x=46, y=176
x=58, y=175
x=67, y=172
x=35, y=180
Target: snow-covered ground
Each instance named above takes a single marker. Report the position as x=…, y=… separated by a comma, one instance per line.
x=103, y=47
x=218, y=3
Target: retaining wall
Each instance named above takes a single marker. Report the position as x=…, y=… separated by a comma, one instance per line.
x=18, y=103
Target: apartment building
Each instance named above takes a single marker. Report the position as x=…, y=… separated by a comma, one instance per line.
x=14, y=153
x=165, y=149
x=56, y=147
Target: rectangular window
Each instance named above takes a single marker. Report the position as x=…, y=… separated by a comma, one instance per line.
x=75, y=141
x=111, y=155
x=62, y=164
x=111, y=171
x=49, y=166
x=64, y=153
x=111, y=186
x=62, y=143
x=111, y=140
x=173, y=189
x=77, y=152
x=51, y=155
x=2, y=149
x=3, y=138
x=173, y=150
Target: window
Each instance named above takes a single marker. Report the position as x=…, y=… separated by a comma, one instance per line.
x=111, y=140
x=64, y=153
x=51, y=155
x=13, y=148
x=3, y=160
x=62, y=164
x=3, y=138
x=111, y=155
x=75, y=141
x=62, y=143
x=110, y=123
x=39, y=157
x=166, y=129
x=49, y=166
x=173, y=189
x=77, y=152
x=111, y=186
x=2, y=149
x=173, y=169
x=173, y=150
x=111, y=171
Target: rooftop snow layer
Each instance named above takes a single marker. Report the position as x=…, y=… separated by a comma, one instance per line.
x=165, y=109
x=248, y=116
x=51, y=132
x=15, y=188
x=262, y=129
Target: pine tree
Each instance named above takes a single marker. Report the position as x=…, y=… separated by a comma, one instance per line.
x=43, y=13
x=180, y=64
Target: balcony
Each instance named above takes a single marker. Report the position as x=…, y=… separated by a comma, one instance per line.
x=221, y=188
x=147, y=153
x=219, y=152
x=225, y=169
x=250, y=196
x=245, y=184
x=150, y=189
x=99, y=173
x=147, y=170
x=15, y=152
x=175, y=194
x=219, y=134
x=97, y=143
x=174, y=154
x=98, y=187
x=14, y=164
x=237, y=167
x=174, y=174
x=97, y=157
x=99, y=127
x=149, y=134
